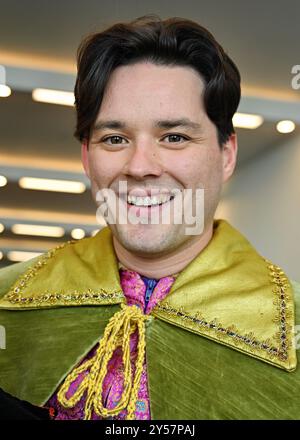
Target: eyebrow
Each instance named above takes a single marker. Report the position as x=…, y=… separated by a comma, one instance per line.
x=166, y=124
x=182, y=122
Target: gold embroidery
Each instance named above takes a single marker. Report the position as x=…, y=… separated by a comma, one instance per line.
x=14, y=296
x=76, y=298
x=282, y=303
x=213, y=326
x=233, y=335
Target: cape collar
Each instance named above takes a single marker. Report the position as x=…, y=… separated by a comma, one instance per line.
x=228, y=293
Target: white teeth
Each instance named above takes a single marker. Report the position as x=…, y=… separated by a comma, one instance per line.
x=148, y=201
x=154, y=200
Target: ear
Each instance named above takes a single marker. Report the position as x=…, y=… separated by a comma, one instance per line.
x=85, y=157
x=229, y=153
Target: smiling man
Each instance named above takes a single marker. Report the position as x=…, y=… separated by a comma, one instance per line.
x=148, y=319
x=153, y=133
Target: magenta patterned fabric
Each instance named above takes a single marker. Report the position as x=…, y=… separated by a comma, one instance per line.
x=134, y=290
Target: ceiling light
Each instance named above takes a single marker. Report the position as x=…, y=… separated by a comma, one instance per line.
x=1, y=228
x=77, y=233
x=40, y=230
x=3, y=181
x=21, y=255
x=1, y=255
x=285, y=126
x=68, y=186
x=245, y=120
x=53, y=96
x=5, y=91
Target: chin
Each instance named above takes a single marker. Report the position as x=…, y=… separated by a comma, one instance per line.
x=147, y=239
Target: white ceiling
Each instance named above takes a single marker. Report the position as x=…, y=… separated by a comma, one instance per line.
x=262, y=36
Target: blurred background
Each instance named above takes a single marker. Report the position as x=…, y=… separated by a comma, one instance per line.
x=44, y=195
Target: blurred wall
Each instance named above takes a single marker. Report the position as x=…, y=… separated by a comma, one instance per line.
x=263, y=202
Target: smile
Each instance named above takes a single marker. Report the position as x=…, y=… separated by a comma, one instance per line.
x=149, y=201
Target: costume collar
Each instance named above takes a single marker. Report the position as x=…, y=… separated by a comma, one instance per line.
x=83, y=272
x=231, y=294
x=228, y=293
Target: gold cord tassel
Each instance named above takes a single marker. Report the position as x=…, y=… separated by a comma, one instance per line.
x=117, y=333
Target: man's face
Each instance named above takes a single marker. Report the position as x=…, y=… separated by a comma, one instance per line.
x=146, y=151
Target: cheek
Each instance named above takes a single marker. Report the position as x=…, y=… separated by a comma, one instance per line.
x=103, y=169
x=202, y=169
x=214, y=165
x=184, y=166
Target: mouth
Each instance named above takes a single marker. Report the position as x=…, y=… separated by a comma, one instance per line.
x=148, y=202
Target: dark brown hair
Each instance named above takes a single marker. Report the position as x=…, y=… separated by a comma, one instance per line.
x=170, y=42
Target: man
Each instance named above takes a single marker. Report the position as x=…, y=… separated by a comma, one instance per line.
x=148, y=319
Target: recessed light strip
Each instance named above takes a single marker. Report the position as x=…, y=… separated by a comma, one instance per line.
x=39, y=184
x=38, y=230
x=21, y=255
x=247, y=120
x=53, y=96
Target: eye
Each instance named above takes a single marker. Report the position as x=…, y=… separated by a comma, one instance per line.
x=115, y=140
x=175, y=138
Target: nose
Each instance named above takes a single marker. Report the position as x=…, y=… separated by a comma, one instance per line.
x=143, y=161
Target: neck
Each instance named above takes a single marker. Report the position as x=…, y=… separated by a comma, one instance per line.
x=165, y=265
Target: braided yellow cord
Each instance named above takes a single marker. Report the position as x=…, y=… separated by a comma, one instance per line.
x=117, y=333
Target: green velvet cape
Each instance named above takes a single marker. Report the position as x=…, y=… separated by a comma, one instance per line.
x=199, y=366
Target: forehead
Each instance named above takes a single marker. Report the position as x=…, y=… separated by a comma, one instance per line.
x=148, y=89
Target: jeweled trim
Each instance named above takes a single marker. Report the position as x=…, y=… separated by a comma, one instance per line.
x=88, y=297
x=215, y=327
x=234, y=335
x=284, y=312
